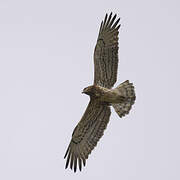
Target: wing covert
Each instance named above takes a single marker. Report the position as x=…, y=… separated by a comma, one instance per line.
x=106, y=52
x=87, y=133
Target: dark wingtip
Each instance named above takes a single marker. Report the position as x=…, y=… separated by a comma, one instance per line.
x=105, y=19
x=115, y=24
x=66, y=166
x=115, y=16
x=118, y=27
x=65, y=156
x=80, y=163
x=84, y=162
x=67, y=151
x=67, y=161
x=106, y=15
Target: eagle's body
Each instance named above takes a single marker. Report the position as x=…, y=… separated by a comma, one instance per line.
x=96, y=117
x=102, y=94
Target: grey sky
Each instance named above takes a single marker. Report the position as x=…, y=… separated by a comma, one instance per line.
x=46, y=59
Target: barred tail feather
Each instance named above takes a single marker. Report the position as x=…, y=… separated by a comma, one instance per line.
x=127, y=90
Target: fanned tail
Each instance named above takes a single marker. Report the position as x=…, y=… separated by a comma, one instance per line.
x=127, y=91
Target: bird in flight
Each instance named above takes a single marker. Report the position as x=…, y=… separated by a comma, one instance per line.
x=96, y=117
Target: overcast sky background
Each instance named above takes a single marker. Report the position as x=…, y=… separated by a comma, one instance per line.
x=46, y=59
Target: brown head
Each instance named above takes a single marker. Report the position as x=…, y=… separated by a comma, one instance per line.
x=91, y=91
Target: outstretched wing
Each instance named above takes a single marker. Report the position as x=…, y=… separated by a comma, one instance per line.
x=87, y=133
x=106, y=52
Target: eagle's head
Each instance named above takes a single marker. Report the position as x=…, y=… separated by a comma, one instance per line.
x=91, y=91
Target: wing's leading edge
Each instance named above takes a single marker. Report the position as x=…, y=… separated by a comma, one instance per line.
x=106, y=52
